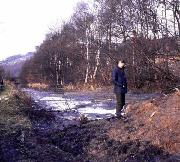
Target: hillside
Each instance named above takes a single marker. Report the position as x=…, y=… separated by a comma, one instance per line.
x=14, y=64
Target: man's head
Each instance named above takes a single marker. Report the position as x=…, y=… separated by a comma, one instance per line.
x=121, y=63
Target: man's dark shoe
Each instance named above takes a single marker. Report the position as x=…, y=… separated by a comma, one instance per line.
x=119, y=116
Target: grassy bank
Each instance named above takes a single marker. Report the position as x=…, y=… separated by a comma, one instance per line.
x=12, y=110
x=18, y=138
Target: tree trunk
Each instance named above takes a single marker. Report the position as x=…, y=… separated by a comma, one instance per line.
x=97, y=63
x=87, y=57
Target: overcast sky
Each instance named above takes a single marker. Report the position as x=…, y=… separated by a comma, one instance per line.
x=24, y=23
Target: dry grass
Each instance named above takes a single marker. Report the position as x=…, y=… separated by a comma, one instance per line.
x=12, y=111
x=38, y=86
x=82, y=87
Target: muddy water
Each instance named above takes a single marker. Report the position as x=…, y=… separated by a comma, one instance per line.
x=72, y=105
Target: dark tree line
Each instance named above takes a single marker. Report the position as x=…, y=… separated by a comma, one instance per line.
x=84, y=49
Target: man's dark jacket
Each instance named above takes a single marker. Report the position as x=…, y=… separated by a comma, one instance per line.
x=119, y=80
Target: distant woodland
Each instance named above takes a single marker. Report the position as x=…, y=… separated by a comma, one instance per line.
x=83, y=50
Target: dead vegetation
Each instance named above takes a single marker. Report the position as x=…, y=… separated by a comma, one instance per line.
x=41, y=86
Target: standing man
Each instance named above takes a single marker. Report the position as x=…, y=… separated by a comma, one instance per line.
x=120, y=86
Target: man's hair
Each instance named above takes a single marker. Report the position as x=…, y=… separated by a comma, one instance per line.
x=117, y=62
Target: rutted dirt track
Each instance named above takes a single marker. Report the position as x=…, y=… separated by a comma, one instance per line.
x=94, y=105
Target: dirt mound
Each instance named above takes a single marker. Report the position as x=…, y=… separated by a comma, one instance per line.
x=155, y=120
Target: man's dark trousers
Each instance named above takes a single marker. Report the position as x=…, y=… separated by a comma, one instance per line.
x=120, y=98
